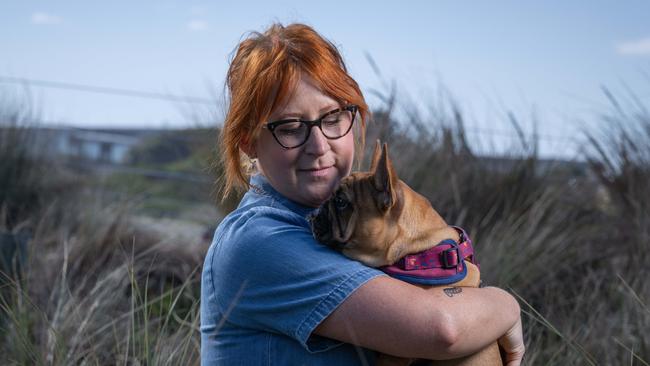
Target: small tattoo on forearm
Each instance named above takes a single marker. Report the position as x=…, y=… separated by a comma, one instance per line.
x=451, y=291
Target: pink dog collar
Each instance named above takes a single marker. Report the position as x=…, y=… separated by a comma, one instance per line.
x=440, y=265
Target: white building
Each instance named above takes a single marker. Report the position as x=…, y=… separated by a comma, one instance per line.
x=104, y=146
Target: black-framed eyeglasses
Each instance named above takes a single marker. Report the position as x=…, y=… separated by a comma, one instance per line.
x=292, y=133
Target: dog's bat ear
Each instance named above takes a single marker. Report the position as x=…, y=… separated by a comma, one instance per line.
x=385, y=180
x=375, y=156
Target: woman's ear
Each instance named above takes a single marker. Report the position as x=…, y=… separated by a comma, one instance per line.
x=248, y=148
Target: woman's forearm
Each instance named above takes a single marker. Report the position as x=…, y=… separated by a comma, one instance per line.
x=400, y=319
x=473, y=317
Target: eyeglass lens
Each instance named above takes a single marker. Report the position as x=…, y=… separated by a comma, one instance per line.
x=333, y=126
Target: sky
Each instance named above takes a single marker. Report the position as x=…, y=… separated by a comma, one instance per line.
x=547, y=62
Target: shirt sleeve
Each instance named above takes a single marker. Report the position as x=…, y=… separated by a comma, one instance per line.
x=269, y=273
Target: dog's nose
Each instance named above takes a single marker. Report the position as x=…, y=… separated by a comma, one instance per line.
x=312, y=216
x=321, y=227
x=318, y=222
x=336, y=245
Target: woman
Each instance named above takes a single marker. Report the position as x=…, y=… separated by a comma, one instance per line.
x=270, y=293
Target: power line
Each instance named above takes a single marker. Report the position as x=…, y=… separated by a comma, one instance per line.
x=197, y=100
x=106, y=90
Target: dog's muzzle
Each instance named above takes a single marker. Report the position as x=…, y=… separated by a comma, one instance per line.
x=321, y=227
x=319, y=224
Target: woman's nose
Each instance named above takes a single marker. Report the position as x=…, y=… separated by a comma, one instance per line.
x=317, y=143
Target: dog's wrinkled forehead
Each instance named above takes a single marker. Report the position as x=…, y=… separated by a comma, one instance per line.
x=348, y=186
x=342, y=193
x=356, y=178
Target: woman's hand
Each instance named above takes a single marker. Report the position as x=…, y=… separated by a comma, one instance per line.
x=512, y=344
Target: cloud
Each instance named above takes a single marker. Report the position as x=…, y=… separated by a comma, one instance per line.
x=44, y=18
x=197, y=25
x=637, y=47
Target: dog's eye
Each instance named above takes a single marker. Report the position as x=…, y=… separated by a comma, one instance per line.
x=340, y=203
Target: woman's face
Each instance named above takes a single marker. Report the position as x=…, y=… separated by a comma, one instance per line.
x=307, y=174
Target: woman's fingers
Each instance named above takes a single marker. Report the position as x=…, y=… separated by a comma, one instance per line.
x=513, y=344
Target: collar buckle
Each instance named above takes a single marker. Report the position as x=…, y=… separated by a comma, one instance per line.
x=450, y=258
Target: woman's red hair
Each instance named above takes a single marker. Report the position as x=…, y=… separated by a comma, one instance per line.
x=261, y=77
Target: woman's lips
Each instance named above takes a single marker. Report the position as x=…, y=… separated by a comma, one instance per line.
x=321, y=172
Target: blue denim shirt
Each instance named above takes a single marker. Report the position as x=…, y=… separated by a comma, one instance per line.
x=267, y=284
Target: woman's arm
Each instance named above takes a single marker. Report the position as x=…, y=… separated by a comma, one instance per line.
x=400, y=319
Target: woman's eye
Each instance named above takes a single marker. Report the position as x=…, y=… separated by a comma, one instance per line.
x=331, y=121
x=289, y=129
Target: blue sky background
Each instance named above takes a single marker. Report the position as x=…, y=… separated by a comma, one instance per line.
x=547, y=59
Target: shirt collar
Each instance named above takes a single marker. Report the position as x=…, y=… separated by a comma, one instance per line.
x=261, y=186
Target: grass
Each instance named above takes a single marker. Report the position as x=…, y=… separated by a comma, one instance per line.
x=94, y=288
x=97, y=291
x=569, y=241
x=572, y=247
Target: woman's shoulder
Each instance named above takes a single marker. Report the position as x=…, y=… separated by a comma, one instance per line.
x=250, y=216
x=261, y=225
x=268, y=240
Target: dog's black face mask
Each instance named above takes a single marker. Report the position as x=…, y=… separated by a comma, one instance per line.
x=330, y=223
x=320, y=225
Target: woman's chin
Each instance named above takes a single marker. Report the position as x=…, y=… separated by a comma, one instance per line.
x=316, y=195
x=314, y=199
x=318, y=190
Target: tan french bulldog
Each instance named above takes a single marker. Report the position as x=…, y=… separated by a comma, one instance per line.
x=377, y=219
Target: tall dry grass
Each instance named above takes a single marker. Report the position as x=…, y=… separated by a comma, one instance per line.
x=80, y=283
x=96, y=290
x=569, y=241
